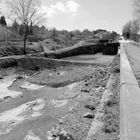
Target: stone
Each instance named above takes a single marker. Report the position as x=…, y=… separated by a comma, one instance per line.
x=1, y=77
x=65, y=136
x=20, y=77
x=91, y=107
x=88, y=115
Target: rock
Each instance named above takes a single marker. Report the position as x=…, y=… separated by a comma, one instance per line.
x=88, y=115
x=58, y=73
x=85, y=90
x=1, y=77
x=117, y=70
x=86, y=84
x=20, y=77
x=65, y=136
x=6, y=97
x=60, y=121
x=91, y=107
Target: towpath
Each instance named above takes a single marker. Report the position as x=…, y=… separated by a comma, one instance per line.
x=133, y=54
x=130, y=91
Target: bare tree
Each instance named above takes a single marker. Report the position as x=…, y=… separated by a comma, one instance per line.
x=127, y=30
x=27, y=12
x=135, y=27
x=136, y=5
x=131, y=29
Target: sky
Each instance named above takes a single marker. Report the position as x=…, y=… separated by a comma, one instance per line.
x=85, y=14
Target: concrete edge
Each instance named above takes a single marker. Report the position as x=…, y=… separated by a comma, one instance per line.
x=129, y=101
x=97, y=123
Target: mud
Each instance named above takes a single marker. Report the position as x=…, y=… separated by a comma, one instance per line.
x=55, y=77
x=88, y=101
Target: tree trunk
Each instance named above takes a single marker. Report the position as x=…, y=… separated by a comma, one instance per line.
x=25, y=40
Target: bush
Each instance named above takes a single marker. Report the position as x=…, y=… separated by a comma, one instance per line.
x=8, y=62
x=35, y=38
x=17, y=50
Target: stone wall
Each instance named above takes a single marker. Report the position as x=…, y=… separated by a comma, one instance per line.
x=110, y=49
x=106, y=49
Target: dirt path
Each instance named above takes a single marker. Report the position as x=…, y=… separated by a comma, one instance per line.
x=133, y=52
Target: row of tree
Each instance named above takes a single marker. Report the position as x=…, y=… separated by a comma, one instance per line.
x=20, y=28
x=36, y=32
x=27, y=15
x=131, y=28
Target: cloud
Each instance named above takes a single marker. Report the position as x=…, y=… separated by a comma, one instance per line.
x=68, y=7
x=2, y=8
x=72, y=7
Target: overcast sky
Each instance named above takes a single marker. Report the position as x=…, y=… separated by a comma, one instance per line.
x=82, y=14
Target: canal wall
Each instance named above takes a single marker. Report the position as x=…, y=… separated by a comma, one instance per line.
x=129, y=101
x=106, y=49
x=52, y=59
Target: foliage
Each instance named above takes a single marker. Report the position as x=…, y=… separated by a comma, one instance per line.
x=26, y=11
x=17, y=49
x=15, y=26
x=53, y=34
x=3, y=21
x=131, y=29
x=136, y=6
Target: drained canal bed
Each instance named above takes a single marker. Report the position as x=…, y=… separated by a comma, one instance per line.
x=96, y=58
x=48, y=104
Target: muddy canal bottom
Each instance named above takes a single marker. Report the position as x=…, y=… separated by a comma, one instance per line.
x=27, y=108
x=37, y=105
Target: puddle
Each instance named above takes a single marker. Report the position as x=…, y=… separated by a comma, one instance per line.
x=96, y=58
x=9, y=119
x=30, y=86
x=5, y=93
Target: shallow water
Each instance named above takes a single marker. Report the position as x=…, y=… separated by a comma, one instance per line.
x=95, y=58
x=37, y=108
